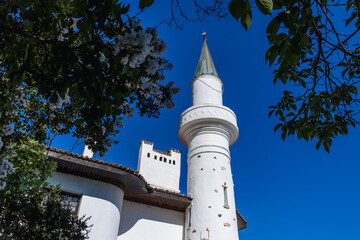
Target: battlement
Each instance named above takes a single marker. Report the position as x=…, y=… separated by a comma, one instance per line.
x=160, y=169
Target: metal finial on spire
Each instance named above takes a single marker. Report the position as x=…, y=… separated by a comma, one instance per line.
x=206, y=64
x=204, y=35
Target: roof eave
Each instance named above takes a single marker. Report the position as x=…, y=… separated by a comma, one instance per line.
x=135, y=187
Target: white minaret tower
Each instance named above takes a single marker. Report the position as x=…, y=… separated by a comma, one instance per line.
x=208, y=129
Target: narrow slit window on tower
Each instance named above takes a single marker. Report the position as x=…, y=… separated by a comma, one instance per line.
x=161, y=159
x=226, y=201
x=155, y=157
x=164, y=159
x=190, y=217
x=148, y=155
x=169, y=161
x=174, y=162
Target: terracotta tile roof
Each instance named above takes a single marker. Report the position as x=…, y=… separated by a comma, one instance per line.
x=115, y=165
x=150, y=143
x=174, y=150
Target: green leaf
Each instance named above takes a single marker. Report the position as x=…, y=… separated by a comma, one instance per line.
x=145, y=3
x=318, y=144
x=235, y=8
x=293, y=59
x=278, y=4
x=273, y=28
x=265, y=6
x=349, y=20
x=83, y=26
x=246, y=16
x=277, y=127
x=271, y=112
x=326, y=146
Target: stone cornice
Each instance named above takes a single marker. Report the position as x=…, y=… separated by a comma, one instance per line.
x=218, y=118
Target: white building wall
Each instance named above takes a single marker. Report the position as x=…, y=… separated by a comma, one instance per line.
x=206, y=89
x=143, y=222
x=210, y=184
x=160, y=169
x=102, y=201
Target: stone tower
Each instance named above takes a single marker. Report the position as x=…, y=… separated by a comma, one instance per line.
x=208, y=129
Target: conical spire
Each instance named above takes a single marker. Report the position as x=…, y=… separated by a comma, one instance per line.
x=206, y=64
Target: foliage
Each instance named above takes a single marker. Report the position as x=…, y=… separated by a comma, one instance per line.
x=314, y=50
x=29, y=207
x=79, y=67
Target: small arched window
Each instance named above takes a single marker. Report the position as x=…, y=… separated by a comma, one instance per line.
x=164, y=159
x=148, y=155
x=174, y=162
x=161, y=159
x=155, y=157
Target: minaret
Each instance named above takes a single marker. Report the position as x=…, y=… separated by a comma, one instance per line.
x=208, y=129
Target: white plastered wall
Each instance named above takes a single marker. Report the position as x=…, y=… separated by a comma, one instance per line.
x=143, y=222
x=161, y=170
x=102, y=201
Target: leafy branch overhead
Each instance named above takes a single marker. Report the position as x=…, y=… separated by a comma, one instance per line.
x=79, y=67
x=313, y=46
x=314, y=50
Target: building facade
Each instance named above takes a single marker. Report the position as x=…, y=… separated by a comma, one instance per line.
x=146, y=204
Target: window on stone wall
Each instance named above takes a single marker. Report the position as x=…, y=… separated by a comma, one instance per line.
x=73, y=198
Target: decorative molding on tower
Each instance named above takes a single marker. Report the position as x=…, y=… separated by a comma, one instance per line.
x=208, y=115
x=208, y=129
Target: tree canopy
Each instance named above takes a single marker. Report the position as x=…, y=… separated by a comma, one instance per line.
x=79, y=67
x=67, y=67
x=29, y=207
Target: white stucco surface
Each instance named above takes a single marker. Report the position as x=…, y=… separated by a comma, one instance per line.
x=142, y=222
x=102, y=201
x=207, y=89
x=160, y=169
x=208, y=129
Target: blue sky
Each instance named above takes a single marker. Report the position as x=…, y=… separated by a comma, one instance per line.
x=285, y=190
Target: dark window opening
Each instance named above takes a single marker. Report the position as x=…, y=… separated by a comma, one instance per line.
x=189, y=217
x=148, y=155
x=164, y=159
x=73, y=199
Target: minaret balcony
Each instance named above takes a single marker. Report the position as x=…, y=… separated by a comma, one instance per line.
x=215, y=118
